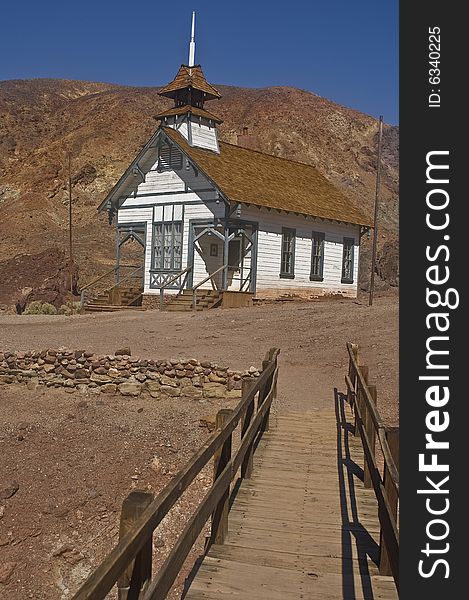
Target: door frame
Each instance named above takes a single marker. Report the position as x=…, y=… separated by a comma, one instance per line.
x=211, y=225
x=131, y=229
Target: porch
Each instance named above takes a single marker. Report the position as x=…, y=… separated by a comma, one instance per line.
x=221, y=259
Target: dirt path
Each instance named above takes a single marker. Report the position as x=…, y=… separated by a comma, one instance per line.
x=311, y=336
x=68, y=460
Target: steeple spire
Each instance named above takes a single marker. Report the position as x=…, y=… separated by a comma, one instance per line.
x=190, y=90
x=191, y=62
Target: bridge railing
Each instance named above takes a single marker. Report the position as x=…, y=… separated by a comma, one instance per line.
x=369, y=425
x=129, y=564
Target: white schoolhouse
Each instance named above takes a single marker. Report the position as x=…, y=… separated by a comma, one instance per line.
x=216, y=216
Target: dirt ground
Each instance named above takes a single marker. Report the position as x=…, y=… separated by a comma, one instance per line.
x=74, y=457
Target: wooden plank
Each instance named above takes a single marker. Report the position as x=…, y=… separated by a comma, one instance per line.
x=371, y=433
x=247, y=465
x=360, y=544
x=138, y=572
x=263, y=582
x=222, y=457
x=392, y=436
x=289, y=560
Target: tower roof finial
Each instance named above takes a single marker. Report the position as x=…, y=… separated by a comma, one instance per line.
x=192, y=42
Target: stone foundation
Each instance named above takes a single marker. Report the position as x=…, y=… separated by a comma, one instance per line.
x=152, y=301
x=304, y=293
x=80, y=370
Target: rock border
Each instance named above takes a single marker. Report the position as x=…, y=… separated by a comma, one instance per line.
x=80, y=370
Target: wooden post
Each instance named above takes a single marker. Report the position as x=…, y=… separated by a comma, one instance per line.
x=356, y=391
x=392, y=436
x=371, y=435
x=247, y=464
x=364, y=370
x=138, y=573
x=222, y=457
x=265, y=390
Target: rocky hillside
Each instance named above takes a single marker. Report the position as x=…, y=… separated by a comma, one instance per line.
x=105, y=125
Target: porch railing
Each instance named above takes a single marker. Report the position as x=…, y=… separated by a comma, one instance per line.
x=165, y=285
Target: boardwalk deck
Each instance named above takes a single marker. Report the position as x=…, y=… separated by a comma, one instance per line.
x=303, y=527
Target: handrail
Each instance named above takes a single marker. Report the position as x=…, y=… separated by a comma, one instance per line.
x=210, y=276
x=85, y=287
x=172, y=280
x=369, y=426
x=376, y=418
x=113, y=270
x=132, y=546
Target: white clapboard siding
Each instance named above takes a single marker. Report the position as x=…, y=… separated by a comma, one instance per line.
x=171, y=183
x=270, y=246
x=166, y=181
x=183, y=197
x=204, y=135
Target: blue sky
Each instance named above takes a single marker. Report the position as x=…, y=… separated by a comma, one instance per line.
x=345, y=50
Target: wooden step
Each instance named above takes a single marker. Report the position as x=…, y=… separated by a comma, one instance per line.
x=109, y=307
x=183, y=302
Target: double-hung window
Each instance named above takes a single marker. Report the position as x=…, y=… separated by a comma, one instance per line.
x=287, y=262
x=317, y=256
x=167, y=245
x=347, y=260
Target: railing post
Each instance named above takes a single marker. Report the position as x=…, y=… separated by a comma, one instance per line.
x=138, y=573
x=247, y=464
x=371, y=435
x=356, y=389
x=194, y=299
x=265, y=390
x=392, y=437
x=222, y=457
x=161, y=298
x=364, y=370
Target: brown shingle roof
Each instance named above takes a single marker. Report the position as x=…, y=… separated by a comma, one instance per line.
x=182, y=110
x=190, y=77
x=261, y=179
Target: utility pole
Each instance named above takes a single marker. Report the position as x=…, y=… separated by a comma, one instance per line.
x=375, y=232
x=70, y=237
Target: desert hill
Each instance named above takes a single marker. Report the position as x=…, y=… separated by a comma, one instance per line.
x=105, y=125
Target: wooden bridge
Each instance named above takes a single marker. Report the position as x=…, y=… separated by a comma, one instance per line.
x=312, y=515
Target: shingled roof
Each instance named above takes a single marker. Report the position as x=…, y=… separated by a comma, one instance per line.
x=182, y=110
x=190, y=77
x=261, y=179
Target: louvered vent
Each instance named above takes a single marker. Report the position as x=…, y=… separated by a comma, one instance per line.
x=170, y=159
